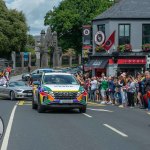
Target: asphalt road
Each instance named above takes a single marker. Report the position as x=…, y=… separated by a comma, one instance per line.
x=102, y=127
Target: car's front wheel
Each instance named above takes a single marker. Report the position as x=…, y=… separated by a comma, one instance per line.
x=12, y=96
x=82, y=110
x=40, y=108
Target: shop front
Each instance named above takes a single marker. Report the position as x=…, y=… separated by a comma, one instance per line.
x=129, y=65
x=97, y=66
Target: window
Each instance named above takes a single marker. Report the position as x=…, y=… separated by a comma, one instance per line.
x=60, y=79
x=124, y=34
x=101, y=28
x=146, y=34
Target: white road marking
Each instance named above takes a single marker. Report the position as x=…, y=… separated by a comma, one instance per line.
x=87, y=115
x=100, y=110
x=148, y=113
x=115, y=130
x=8, y=129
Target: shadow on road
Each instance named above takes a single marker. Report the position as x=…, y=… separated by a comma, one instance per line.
x=62, y=111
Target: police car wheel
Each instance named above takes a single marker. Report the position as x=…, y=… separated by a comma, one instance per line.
x=82, y=110
x=40, y=108
x=34, y=106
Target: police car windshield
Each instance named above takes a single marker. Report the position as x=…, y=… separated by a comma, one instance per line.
x=59, y=79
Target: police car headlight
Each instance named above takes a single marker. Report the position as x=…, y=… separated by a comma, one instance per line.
x=82, y=92
x=79, y=93
x=51, y=93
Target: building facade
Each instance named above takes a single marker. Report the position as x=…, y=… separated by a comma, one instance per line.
x=130, y=19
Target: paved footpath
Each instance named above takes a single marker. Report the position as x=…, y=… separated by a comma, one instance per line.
x=15, y=78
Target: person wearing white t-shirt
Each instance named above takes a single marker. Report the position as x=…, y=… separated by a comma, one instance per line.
x=93, y=88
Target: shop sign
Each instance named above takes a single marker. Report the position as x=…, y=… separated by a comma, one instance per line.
x=131, y=61
x=99, y=38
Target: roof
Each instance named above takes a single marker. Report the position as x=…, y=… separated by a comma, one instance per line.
x=57, y=73
x=127, y=9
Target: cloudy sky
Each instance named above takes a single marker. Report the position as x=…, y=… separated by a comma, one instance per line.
x=34, y=10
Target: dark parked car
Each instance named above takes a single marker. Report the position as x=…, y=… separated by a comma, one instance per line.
x=26, y=76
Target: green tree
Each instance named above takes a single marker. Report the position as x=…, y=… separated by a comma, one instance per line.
x=13, y=31
x=67, y=19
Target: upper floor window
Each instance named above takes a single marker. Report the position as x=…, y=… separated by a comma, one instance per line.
x=101, y=28
x=146, y=34
x=124, y=34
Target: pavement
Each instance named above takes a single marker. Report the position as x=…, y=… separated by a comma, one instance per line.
x=102, y=127
x=15, y=78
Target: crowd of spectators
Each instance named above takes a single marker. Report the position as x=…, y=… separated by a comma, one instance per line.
x=124, y=90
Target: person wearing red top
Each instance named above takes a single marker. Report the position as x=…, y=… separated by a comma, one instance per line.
x=8, y=72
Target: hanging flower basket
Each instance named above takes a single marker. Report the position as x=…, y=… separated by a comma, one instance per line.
x=124, y=48
x=99, y=49
x=128, y=47
x=146, y=47
x=121, y=48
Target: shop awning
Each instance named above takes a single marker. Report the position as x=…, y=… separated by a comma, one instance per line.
x=101, y=64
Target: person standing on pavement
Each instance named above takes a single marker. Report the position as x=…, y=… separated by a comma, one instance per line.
x=147, y=87
x=29, y=68
x=139, y=91
x=122, y=84
x=3, y=80
x=111, y=88
x=131, y=89
x=104, y=88
x=93, y=88
x=8, y=72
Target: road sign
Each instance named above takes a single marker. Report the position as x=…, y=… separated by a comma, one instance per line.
x=99, y=38
x=86, y=32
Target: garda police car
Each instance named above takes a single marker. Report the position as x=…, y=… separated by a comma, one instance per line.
x=59, y=90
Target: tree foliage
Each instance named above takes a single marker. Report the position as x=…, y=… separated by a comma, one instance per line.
x=67, y=19
x=13, y=31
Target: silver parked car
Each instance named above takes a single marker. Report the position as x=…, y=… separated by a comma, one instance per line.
x=16, y=90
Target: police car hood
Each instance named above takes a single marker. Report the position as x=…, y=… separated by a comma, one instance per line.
x=60, y=88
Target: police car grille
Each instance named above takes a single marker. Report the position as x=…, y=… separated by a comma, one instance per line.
x=65, y=95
